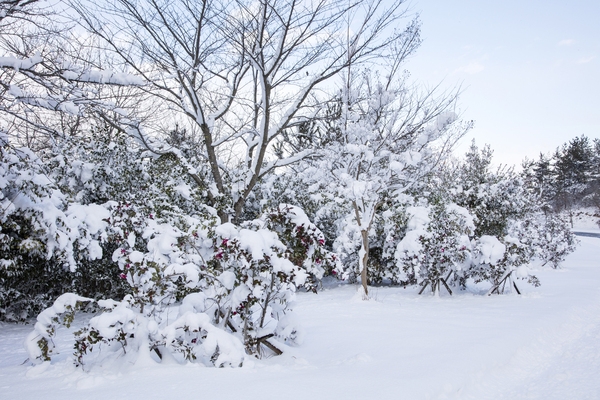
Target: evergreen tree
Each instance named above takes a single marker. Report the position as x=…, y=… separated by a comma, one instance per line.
x=572, y=169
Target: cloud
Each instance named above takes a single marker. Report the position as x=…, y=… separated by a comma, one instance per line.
x=566, y=42
x=586, y=60
x=474, y=67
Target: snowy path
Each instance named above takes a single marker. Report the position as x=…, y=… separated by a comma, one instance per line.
x=544, y=344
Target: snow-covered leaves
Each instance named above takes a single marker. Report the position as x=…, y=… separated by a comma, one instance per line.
x=39, y=343
x=437, y=244
x=234, y=284
x=305, y=244
x=43, y=234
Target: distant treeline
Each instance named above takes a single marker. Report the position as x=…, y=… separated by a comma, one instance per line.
x=568, y=178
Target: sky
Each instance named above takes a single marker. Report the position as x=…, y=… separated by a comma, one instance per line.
x=529, y=70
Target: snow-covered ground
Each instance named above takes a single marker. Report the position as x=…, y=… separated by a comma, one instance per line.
x=544, y=344
x=586, y=220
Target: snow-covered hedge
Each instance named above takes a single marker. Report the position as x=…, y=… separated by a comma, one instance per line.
x=232, y=288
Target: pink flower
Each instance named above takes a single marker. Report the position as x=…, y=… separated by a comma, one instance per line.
x=224, y=243
x=123, y=276
x=321, y=242
x=219, y=255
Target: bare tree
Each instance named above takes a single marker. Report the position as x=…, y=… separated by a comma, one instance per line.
x=238, y=75
x=14, y=10
x=387, y=137
x=48, y=84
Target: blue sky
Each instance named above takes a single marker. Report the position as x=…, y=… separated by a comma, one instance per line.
x=530, y=69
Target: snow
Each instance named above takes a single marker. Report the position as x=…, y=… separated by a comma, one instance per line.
x=419, y=218
x=104, y=76
x=227, y=279
x=586, y=220
x=17, y=63
x=109, y=323
x=231, y=350
x=491, y=250
x=45, y=326
x=417, y=227
x=257, y=242
x=544, y=344
x=189, y=270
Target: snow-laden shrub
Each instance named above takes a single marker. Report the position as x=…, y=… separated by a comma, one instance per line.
x=237, y=276
x=557, y=239
x=168, y=248
x=500, y=262
x=39, y=343
x=547, y=239
x=237, y=299
x=121, y=331
x=487, y=260
x=436, y=245
x=510, y=228
x=194, y=337
x=243, y=277
x=502, y=269
x=258, y=283
x=322, y=208
x=388, y=228
x=232, y=287
x=305, y=244
x=44, y=235
x=493, y=197
x=100, y=166
x=105, y=169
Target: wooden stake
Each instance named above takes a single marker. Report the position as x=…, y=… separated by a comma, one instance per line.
x=446, y=285
x=424, y=286
x=516, y=288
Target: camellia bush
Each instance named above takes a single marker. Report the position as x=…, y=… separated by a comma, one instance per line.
x=229, y=289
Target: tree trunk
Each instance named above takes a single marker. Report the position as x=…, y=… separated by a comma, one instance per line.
x=363, y=257
x=364, y=260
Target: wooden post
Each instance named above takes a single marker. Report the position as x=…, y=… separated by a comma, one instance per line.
x=446, y=285
x=424, y=286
